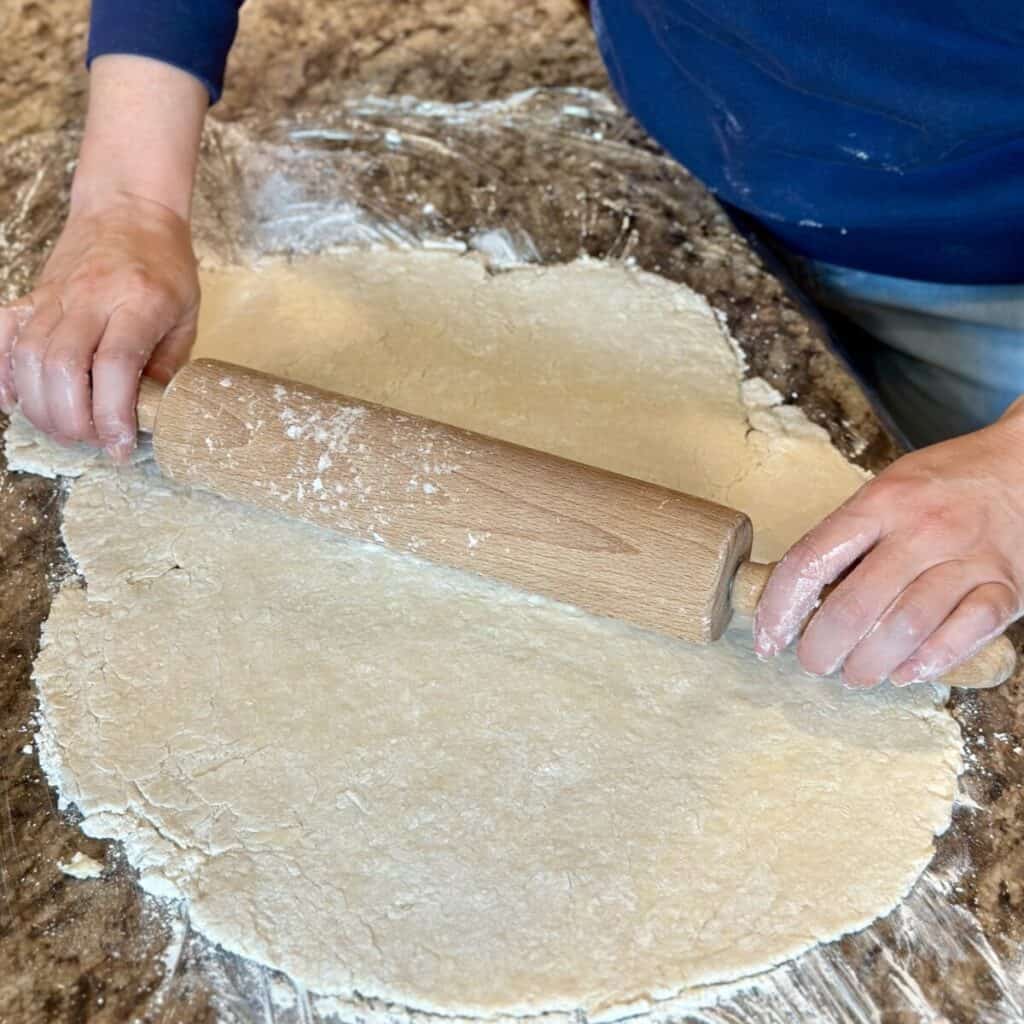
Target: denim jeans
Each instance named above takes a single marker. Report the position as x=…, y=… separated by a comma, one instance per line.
x=943, y=359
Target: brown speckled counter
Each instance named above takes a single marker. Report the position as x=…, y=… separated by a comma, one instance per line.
x=95, y=950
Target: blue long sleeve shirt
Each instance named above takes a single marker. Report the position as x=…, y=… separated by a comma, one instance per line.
x=194, y=35
x=883, y=136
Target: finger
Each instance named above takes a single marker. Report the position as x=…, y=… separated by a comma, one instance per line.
x=982, y=615
x=172, y=353
x=12, y=319
x=807, y=568
x=849, y=613
x=27, y=360
x=66, y=365
x=124, y=350
x=909, y=621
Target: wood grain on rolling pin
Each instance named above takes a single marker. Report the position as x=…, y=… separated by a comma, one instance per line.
x=611, y=545
x=608, y=544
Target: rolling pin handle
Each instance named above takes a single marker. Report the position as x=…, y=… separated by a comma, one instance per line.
x=990, y=666
x=151, y=394
x=748, y=585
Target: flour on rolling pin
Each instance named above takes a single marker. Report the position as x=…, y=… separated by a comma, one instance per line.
x=321, y=455
x=612, y=546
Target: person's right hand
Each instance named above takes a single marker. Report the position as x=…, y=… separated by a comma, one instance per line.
x=119, y=296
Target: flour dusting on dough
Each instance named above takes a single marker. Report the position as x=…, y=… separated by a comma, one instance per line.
x=411, y=784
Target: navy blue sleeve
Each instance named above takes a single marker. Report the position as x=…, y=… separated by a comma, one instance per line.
x=194, y=35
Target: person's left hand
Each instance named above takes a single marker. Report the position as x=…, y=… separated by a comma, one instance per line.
x=938, y=539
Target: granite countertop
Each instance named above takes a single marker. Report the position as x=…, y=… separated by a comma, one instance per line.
x=95, y=950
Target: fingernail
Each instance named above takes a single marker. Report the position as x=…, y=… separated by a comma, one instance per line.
x=850, y=685
x=764, y=646
x=160, y=373
x=915, y=671
x=7, y=402
x=121, y=449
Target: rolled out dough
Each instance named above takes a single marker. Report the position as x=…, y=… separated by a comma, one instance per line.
x=395, y=780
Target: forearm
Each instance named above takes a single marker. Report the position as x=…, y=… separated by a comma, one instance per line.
x=142, y=134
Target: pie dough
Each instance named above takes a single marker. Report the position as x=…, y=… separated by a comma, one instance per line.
x=395, y=780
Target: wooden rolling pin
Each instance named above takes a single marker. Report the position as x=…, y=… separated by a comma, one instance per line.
x=610, y=545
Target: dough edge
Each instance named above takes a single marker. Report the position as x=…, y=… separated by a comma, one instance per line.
x=761, y=400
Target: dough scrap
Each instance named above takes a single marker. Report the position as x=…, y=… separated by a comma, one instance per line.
x=400, y=781
x=81, y=866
